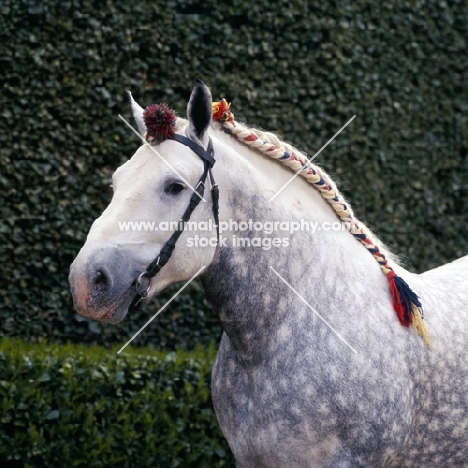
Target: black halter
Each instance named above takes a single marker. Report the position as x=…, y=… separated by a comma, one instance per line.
x=143, y=282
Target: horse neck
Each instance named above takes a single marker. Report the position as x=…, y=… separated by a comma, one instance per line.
x=251, y=300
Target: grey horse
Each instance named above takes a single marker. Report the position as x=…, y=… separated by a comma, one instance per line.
x=314, y=368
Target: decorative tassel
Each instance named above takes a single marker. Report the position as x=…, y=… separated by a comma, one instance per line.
x=160, y=122
x=420, y=327
x=407, y=306
x=221, y=112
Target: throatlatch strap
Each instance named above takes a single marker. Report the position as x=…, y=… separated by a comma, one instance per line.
x=215, y=200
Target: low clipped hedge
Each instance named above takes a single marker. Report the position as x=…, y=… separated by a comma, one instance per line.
x=74, y=406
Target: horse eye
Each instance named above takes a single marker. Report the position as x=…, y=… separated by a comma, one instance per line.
x=174, y=188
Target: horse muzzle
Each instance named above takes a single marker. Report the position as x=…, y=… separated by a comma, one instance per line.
x=101, y=283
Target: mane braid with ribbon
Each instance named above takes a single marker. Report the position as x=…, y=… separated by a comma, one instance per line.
x=405, y=301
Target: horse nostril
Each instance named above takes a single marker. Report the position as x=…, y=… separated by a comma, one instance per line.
x=100, y=279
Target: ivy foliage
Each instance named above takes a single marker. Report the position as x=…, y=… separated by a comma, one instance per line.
x=299, y=68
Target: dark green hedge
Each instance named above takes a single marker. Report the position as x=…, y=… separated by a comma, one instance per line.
x=85, y=406
x=301, y=68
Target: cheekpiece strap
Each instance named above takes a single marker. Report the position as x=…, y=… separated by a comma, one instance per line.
x=166, y=252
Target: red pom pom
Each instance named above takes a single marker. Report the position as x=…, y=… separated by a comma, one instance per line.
x=160, y=122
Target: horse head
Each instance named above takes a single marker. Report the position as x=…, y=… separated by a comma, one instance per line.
x=151, y=191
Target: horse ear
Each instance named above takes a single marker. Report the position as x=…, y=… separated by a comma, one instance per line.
x=137, y=112
x=199, y=110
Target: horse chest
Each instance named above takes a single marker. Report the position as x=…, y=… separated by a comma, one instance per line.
x=296, y=415
x=265, y=425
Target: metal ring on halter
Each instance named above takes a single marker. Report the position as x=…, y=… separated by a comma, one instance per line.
x=142, y=291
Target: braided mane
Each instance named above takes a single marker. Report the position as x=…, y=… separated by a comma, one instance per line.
x=270, y=145
x=405, y=301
